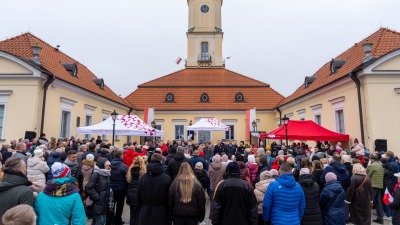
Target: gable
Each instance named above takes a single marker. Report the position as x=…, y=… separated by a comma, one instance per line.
x=391, y=64
x=10, y=67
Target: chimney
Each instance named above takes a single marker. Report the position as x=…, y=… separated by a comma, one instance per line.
x=367, y=49
x=36, y=51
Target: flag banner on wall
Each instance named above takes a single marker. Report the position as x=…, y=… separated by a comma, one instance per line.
x=148, y=115
x=250, y=117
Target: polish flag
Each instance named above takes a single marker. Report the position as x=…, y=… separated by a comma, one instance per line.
x=250, y=117
x=148, y=115
x=387, y=198
x=178, y=60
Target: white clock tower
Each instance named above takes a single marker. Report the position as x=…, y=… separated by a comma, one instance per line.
x=204, y=34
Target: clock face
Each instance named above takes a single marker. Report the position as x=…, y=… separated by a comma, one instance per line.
x=204, y=8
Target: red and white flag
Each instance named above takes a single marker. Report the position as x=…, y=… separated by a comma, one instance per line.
x=387, y=197
x=178, y=60
x=148, y=115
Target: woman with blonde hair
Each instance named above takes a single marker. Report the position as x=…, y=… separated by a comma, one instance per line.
x=135, y=171
x=359, y=195
x=186, y=198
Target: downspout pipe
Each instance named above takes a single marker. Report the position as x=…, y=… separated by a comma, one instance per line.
x=130, y=110
x=280, y=118
x=354, y=77
x=46, y=85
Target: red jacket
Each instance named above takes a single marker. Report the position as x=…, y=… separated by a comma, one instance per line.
x=275, y=163
x=130, y=155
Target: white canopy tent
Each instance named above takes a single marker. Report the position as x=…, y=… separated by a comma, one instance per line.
x=208, y=124
x=130, y=125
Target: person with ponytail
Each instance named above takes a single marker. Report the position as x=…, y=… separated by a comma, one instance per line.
x=136, y=170
x=186, y=198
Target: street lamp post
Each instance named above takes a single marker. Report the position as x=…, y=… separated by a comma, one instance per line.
x=153, y=125
x=254, y=124
x=285, y=122
x=114, y=117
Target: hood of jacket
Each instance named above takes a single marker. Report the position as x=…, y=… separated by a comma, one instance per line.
x=88, y=163
x=115, y=163
x=287, y=180
x=154, y=169
x=70, y=163
x=263, y=185
x=339, y=167
x=135, y=172
x=306, y=180
x=32, y=162
x=55, y=155
x=179, y=156
x=216, y=165
x=252, y=166
x=12, y=180
x=102, y=172
x=334, y=186
x=241, y=165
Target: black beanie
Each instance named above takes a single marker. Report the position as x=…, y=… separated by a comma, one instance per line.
x=233, y=168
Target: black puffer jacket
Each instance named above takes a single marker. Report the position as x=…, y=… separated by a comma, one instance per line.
x=55, y=157
x=118, y=175
x=152, y=196
x=105, y=154
x=175, y=163
x=73, y=166
x=131, y=194
x=388, y=177
x=312, y=212
x=98, y=189
x=194, y=209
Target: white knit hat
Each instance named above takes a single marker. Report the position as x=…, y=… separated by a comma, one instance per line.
x=38, y=153
x=90, y=157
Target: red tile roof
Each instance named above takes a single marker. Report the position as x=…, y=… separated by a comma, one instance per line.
x=384, y=41
x=51, y=59
x=188, y=85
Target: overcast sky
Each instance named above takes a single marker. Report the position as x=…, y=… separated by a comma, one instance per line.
x=129, y=42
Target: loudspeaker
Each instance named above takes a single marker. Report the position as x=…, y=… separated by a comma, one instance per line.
x=78, y=121
x=30, y=135
x=380, y=145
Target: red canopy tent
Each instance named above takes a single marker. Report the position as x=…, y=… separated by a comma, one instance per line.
x=305, y=130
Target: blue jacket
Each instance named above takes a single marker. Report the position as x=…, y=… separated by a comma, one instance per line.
x=284, y=196
x=341, y=173
x=395, y=168
x=52, y=210
x=118, y=175
x=332, y=203
x=195, y=159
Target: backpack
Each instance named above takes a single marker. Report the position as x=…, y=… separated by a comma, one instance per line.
x=201, y=177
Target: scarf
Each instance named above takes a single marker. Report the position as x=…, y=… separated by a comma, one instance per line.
x=88, y=163
x=102, y=172
x=60, y=187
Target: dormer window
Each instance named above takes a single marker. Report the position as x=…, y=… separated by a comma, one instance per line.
x=71, y=68
x=239, y=97
x=99, y=82
x=204, y=98
x=336, y=64
x=308, y=81
x=169, y=97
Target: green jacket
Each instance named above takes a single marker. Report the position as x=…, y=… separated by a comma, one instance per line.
x=14, y=191
x=375, y=173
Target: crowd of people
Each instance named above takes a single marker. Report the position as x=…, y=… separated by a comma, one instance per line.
x=68, y=181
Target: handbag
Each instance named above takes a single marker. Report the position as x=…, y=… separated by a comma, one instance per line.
x=86, y=200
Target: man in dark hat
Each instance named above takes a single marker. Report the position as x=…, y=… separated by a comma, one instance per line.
x=236, y=194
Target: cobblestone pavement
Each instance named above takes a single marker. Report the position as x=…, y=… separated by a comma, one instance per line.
x=125, y=216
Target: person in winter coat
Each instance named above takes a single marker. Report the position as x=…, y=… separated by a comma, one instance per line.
x=312, y=212
x=14, y=186
x=359, y=196
x=283, y=196
x=152, y=197
x=37, y=168
x=196, y=158
x=393, y=162
x=253, y=168
x=346, y=160
x=244, y=171
x=266, y=177
x=387, y=183
x=105, y=153
x=72, y=163
x=186, y=199
x=87, y=169
x=375, y=173
x=131, y=154
x=263, y=161
x=175, y=163
x=60, y=202
x=55, y=157
x=202, y=177
x=21, y=214
x=358, y=150
x=332, y=201
x=339, y=170
x=79, y=159
x=135, y=171
x=98, y=189
x=395, y=205
x=234, y=200
x=119, y=186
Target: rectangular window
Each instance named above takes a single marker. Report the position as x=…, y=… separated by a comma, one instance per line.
x=339, y=116
x=1, y=120
x=204, y=136
x=232, y=132
x=65, y=124
x=157, y=127
x=179, y=132
x=204, y=50
x=88, y=123
x=318, y=119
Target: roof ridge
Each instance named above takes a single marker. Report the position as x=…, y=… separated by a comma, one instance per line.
x=248, y=77
x=161, y=77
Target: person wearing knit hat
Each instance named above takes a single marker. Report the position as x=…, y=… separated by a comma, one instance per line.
x=281, y=152
x=331, y=201
x=37, y=168
x=265, y=178
x=304, y=171
x=199, y=166
x=60, y=191
x=253, y=168
x=196, y=158
x=230, y=194
x=87, y=169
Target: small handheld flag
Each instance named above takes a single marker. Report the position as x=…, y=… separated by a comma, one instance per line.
x=387, y=197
